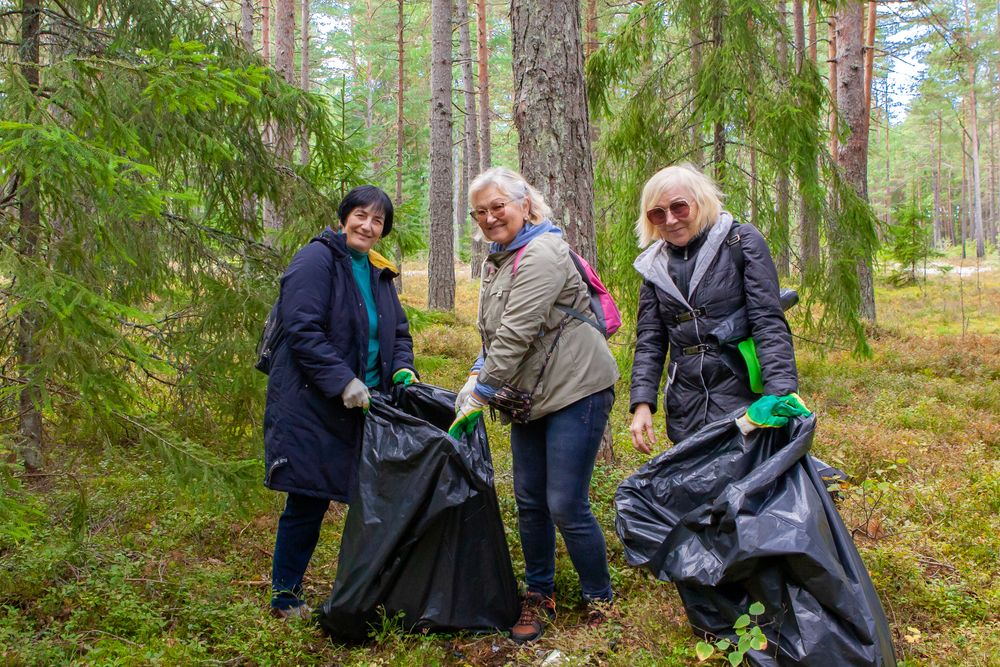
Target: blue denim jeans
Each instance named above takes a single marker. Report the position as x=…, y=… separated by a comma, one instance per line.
x=553, y=463
x=298, y=532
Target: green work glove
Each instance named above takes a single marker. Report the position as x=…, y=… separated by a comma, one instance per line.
x=405, y=377
x=467, y=416
x=774, y=411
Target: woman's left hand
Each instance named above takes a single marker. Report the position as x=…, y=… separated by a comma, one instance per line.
x=642, y=428
x=405, y=377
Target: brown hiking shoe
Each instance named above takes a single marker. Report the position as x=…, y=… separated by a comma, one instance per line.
x=536, y=612
x=597, y=612
x=302, y=611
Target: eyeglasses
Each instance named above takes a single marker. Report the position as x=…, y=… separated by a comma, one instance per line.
x=658, y=216
x=496, y=210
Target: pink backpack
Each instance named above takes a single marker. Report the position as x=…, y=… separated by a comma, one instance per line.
x=608, y=317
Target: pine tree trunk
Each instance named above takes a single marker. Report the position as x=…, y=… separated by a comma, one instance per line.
x=550, y=113
x=304, y=78
x=832, y=31
x=265, y=30
x=719, y=139
x=938, y=217
x=781, y=235
x=441, y=262
x=809, y=218
x=697, y=37
x=30, y=432
x=965, y=192
x=485, y=157
x=398, y=202
x=977, y=196
x=470, y=148
x=853, y=155
x=246, y=24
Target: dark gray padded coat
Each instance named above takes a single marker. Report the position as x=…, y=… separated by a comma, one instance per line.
x=707, y=377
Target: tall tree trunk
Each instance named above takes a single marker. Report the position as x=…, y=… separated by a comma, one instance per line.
x=965, y=191
x=30, y=432
x=783, y=260
x=246, y=24
x=485, y=148
x=697, y=37
x=400, y=60
x=870, y=56
x=950, y=207
x=284, y=64
x=304, y=78
x=853, y=155
x=938, y=218
x=470, y=148
x=441, y=262
x=265, y=30
x=832, y=32
x=550, y=113
x=719, y=139
x=808, y=217
x=977, y=196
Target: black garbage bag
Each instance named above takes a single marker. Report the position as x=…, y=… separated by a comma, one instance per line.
x=732, y=520
x=423, y=536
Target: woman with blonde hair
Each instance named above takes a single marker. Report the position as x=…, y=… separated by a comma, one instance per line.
x=548, y=369
x=709, y=286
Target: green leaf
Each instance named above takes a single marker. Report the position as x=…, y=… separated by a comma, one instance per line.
x=723, y=644
x=742, y=622
x=757, y=608
x=758, y=643
x=735, y=658
x=704, y=651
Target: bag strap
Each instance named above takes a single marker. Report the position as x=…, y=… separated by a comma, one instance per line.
x=735, y=243
x=572, y=312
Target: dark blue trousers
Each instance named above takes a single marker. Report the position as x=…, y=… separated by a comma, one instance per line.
x=298, y=533
x=553, y=463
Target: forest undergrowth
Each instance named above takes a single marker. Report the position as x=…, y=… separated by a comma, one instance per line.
x=123, y=566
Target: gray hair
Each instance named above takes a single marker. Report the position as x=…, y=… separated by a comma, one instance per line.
x=512, y=184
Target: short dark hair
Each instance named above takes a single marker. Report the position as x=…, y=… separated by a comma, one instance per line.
x=367, y=195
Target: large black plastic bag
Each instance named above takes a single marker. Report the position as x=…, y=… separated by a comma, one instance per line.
x=732, y=520
x=423, y=534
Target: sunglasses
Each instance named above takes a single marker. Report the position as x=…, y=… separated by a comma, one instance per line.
x=679, y=209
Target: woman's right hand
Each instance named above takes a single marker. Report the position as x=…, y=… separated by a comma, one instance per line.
x=642, y=428
x=466, y=390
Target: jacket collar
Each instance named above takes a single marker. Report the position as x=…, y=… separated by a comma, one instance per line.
x=652, y=263
x=338, y=243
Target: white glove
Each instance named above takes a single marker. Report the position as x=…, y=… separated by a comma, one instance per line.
x=355, y=395
x=466, y=391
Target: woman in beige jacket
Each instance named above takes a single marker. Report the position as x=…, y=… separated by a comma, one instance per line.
x=537, y=342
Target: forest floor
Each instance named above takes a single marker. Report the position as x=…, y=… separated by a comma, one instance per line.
x=127, y=567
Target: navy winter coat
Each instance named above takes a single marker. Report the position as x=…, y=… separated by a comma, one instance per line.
x=311, y=441
x=707, y=377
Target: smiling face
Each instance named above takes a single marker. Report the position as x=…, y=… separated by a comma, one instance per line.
x=675, y=225
x=363, y=227
x=500, y=224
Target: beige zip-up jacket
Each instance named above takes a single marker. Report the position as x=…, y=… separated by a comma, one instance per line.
x=519, y=320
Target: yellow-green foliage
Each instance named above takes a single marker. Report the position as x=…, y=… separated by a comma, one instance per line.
x=154, y=575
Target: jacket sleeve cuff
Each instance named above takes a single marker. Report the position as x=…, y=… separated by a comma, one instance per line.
x=643, y=395
x=486, y=391
x=478, y=365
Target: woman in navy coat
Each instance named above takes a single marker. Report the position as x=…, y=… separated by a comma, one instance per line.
x=345, y=333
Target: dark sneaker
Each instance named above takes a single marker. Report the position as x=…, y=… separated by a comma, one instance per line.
x=302, y=611
x=536, y=612
x=597, y=612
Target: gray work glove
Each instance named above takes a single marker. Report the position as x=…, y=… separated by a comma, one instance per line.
x=356, y=395
x=466, y=390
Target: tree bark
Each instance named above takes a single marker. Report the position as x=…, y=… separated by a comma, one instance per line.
x=809, y=218
x=853, y=155
x=441, y=262
x=470, y=148
x=783, y=260
x=697, y=37
x=246, y=24
x=719, y=140
x=870, y=57
x=485, y=151
x=265, y=30
x=400, y=56
x=938, y=218
x=832, y=31
x=976, y=191
x=30, y=432
x=550, y=113
x=304, y=78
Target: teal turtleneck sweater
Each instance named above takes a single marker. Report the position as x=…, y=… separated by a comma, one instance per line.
x=363, y=277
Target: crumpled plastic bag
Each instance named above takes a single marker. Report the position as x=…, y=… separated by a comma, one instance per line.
x=423, y=539
x=734, y=519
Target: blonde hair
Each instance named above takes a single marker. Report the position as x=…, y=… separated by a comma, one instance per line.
x=511, y=184
x=703, y=190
